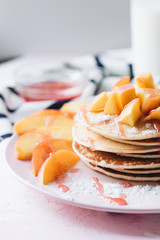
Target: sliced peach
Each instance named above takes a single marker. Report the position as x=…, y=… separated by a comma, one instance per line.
x=122, y=81
x=52, y=112
x=145, y=80
x=57, y=164
x=131, y=113
x=45, y=121
x=150, y=98
x=28, y=141
x=73, y=107
x=109, y=93
x=153, y=114
x=99, y=102
x=64, y=132
x=113, y=105
x=43, y=149
x=126, y=93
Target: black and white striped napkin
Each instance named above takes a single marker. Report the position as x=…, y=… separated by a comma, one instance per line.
x=102, y=68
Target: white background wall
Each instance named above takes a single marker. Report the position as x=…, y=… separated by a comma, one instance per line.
x=63, y=26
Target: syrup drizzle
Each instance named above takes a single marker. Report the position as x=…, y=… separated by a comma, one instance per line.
x=126, y=184
x=123, y=195
x=119, y=127
x=100, y=190
x=63, y=187
x=60, y=181
x=156, y=126
x=73, y=170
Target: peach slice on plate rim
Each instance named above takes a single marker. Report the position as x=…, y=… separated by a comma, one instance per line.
x=34, y=122
x=52, y=112
x=29, y=140
x=57, y=164
x=44, y=149
x=73, y=107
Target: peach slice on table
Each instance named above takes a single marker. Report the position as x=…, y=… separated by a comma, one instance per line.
x=145, y=80
x=126, y=93
x=122, y=81
x=34, y=122
x=99, y=102
x=52, y=112
x=57, y=164
x=150, y=98
x=153, y=114
x=28, y=141
x=73, y=107
x=43, y=150
x=113, y=105
x=131, y=113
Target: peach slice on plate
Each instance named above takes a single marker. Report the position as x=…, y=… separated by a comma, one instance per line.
x=131, y=113
x=122, y=81
x=150, y=98
x=73, y=107
x=57, y=164
x=113, y=105
x=99, y=102
x=126, y=93
x=45, y=121
x=43, y=150
x=153, y=114
x=28, y=141
x=145, y=80
x=52, y=112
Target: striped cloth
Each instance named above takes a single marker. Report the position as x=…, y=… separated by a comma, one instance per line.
x=103, y=69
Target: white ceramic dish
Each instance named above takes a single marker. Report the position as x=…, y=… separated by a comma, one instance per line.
x=141, y=197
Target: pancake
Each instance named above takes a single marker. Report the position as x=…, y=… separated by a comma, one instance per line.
x=144, y=155
x=109, y=127
x=95, y=141
x=144, y=142
x=116, y=168
x=126, y=176
x=114, y=161
x=142, y=171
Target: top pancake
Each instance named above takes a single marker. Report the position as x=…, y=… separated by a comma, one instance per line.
x=97, y=142
x=108, y=126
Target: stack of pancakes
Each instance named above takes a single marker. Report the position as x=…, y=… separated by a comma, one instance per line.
x=120, y=151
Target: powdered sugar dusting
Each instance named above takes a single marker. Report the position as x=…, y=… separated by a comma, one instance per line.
x=148, y=132
x=133, y=130
x=100, y=117
x=103, y=163
x=82, y=189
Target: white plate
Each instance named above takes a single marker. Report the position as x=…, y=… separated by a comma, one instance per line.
x=141, y=197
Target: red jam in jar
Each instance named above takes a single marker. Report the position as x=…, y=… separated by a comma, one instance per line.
x=54, y=84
